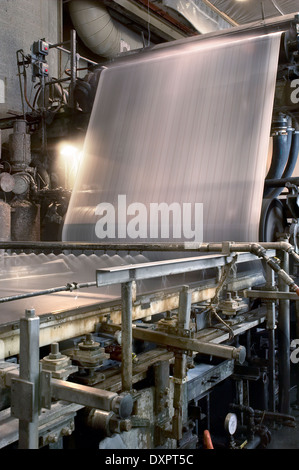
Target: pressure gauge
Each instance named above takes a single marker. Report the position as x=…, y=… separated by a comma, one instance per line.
x=230, y=423
x=21, y=183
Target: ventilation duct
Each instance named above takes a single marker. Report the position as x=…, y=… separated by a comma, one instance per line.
x=99, y=31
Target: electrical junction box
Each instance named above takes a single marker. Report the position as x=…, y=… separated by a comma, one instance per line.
x=40, y=47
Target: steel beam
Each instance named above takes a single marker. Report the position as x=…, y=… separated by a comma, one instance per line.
x=270, y=295
x=190, y=344
x=122, y=274
x=25, y=389
x=92, y=397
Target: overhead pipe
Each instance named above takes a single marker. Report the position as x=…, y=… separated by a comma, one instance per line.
x=161, y=246
x=99, y=31
x=150, y=247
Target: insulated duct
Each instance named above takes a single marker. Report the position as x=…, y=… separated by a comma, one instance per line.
x=99, y=32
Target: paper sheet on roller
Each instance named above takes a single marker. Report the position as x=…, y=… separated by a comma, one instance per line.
x=187, y=124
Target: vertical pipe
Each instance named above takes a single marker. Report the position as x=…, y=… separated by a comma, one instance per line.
x=248, y=345
x=161, y=371
x=161, y=375
x=29, y=371
x=43, y=121
x=184, y=310
x=73, y=68
x=270, y=325
x=297, y=368
x=126, y=335
x=271, y=369
x=60, y=35
x=240, y=396
x=283, y=335
x=246, y=392
x=208, y=412
x=179, y=374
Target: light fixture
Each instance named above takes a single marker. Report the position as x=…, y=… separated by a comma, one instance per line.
x=68, y=150
x=71, y=156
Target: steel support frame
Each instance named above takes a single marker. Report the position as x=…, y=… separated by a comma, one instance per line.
x=283, y=335
x=271, y=326
x=143, y=271
x=25, y=388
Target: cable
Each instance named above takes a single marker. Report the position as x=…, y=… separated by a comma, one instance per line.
x=215, y=300
x=230, y=330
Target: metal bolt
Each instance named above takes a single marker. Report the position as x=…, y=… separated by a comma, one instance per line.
x=30, y=312
x=52, y=438
x=54, y=354
x=54, y=348
x=66, y=432
x=88, y=338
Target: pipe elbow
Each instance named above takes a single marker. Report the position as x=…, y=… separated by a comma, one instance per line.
x=257, y=249
x=285, y=246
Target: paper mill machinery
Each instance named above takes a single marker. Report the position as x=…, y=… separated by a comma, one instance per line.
x=143, y=345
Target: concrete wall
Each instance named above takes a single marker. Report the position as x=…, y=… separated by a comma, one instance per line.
x=21, y=23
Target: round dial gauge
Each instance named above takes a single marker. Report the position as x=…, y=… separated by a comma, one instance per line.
x=230, y=423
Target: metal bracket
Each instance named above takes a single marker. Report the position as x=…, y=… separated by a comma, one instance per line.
x=270, y=295
x=45, y=389
x=226, y=251
x=22, y=399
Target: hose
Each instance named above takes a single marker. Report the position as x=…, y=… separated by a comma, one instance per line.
x=279, y=160
x=293, y=156
x=290, y=166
